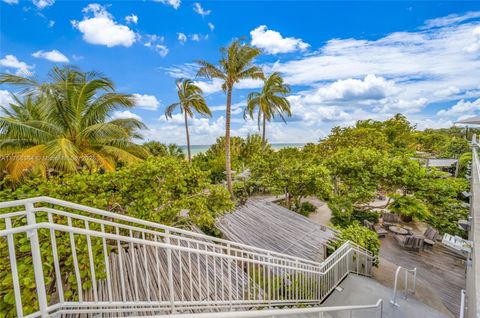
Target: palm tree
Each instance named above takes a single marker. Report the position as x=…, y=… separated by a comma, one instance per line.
x=190, y=100
x=64, y=124
x=234, y=66
x=270, y=101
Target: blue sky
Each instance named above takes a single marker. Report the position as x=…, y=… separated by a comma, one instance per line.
x=344, y=60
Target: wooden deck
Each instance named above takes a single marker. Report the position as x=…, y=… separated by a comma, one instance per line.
x=442, y=269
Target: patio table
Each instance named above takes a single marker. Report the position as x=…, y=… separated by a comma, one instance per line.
x=398, y=230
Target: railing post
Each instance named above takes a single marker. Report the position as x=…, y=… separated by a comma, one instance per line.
x=406, y=284
x=37, y=261
x=170, y=271
x=394, y=298
x=230, y=293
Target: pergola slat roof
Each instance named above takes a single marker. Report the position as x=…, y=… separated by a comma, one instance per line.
x=268, y=225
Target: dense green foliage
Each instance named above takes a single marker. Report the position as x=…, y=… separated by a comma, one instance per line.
x=157, y=189
x=362, y=236
x=157, y=149
x=409, y=207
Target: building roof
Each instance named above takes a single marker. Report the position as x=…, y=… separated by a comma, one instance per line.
x=470, y=121
x=270, y=226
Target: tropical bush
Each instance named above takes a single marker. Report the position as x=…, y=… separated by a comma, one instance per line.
x=306, y=208
x=409, y=207
x=362, y=236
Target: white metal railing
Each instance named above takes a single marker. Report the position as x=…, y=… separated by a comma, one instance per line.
x=87, y=260
x=413, y=272
x=298, y=312
x=462, y=303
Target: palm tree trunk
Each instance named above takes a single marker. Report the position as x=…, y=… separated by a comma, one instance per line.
x=263, y=132
x=228, y=168
x=188, y=138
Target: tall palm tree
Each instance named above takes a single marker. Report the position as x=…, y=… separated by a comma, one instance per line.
x=235, y=65
x=64, y=124
x=271, y=100
x=190, y=101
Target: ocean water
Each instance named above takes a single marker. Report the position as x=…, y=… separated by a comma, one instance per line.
x=202, y=148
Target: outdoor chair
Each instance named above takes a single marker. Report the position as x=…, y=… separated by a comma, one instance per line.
x=430, y=236
x=377, y=229
x=389, y=219
x=410, y=242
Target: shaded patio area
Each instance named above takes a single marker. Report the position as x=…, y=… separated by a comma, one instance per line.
x=440, y=269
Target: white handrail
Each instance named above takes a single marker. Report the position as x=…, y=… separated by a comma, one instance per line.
x=202, y=273
x=281, y=312
x=393, y=301
x=462, y=303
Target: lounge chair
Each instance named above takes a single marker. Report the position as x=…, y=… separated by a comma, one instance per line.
x=410, y=242
x=389, y=219
x=430, y=236
x=377, y=229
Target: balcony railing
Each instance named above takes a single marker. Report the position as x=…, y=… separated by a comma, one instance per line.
x=90, y=261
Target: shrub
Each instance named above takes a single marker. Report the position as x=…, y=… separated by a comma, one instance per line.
x=306, y=208
x=362, y=236
x=361, y=215
x=409, y=207
x=342, y=209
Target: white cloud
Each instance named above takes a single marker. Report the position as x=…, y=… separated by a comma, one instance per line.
x=99, y=27
x=174, y=3
x=148, y=102
x=448, y=91
x=152, y=39
x=451, y=19
x=211, y=26
x=461, y=108
x=125, y=114
x=202, y=130
x=11, y=1
x=182, y=37
x=21, y=68
x=187, y=70
x=272, y=42
x=5, y=98
x=370, y=88
x=198, y=9
x=53, y=55
x=475, y=45
x=210, y=87
x=195, y=37
x=131, y=19
x=41, y=4
x=77, y=57
x=410, y=70
x=161, y=49
x=51, y=24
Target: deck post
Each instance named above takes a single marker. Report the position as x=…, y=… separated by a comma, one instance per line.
x=37, y=261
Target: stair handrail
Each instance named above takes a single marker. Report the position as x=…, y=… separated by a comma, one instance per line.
x=281, y=312
x=393, y=301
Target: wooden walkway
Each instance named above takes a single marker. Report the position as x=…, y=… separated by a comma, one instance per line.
x=440, y=268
